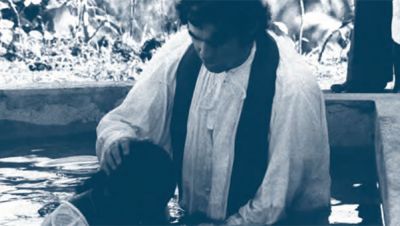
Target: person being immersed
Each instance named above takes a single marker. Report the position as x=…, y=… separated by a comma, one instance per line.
x=135, y=193
x=239, y=111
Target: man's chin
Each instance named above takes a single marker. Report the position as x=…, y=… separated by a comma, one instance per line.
x=214, y=68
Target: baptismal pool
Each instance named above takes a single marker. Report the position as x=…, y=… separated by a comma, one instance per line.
x=33, y=174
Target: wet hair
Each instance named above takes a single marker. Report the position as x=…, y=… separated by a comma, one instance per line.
x=238, y=18
x=137, y=192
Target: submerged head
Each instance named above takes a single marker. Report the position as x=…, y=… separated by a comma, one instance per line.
x=136, y=192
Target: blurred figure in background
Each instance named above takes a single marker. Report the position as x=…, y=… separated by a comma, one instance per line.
x=374, y=39
x=396, y=43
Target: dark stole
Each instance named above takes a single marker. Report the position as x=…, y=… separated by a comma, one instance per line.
x=251, y=145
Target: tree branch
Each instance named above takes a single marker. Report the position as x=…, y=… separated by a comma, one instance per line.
x=12, y=6
x=302, y=10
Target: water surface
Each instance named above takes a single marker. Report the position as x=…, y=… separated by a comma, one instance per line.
x=32, y=175
x=35, y=174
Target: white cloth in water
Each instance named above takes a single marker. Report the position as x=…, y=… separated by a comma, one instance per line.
x=65, y=214
x=396, y=21
x=297, y=176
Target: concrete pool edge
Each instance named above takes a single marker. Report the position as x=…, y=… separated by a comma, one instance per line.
x=76, y=108
x=66, y=109
x=387, y=148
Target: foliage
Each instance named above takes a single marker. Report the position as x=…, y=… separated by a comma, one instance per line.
x=86, y=38
x=106, y=40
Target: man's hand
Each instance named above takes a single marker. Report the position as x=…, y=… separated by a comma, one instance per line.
x=111, y=158
x=235, y=219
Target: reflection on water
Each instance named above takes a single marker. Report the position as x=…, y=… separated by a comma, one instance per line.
x=32, y=176
x=355, y=194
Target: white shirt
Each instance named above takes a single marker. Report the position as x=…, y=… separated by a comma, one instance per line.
x=213, y=120
x=396, y=21
x=65, y=214
x=298, y=164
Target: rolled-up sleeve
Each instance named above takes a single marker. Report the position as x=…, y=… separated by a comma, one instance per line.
x=146, y=111
x=143, y=115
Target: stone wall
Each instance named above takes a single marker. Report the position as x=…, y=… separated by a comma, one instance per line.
x=72, y=109
x=46, y=112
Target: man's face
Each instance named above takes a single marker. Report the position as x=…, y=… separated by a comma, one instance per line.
x=217, y=53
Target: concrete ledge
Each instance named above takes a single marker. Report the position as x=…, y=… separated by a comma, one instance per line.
x=351, y=123
x=354, y=121
x=47, y=111
x=387, y=147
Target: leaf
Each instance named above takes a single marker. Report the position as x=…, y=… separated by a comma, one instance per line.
x=36, y=35
x=3, y=51
x=34, y=2
x=6, y=24
x=52, y=4
x=48, y=36
x=6, y=36
x=3, y=5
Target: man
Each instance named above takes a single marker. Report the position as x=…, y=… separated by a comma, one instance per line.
x=240, y=113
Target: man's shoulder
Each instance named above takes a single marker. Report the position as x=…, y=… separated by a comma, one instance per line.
x=175, y=46
x=294, y=75
x=167, y=57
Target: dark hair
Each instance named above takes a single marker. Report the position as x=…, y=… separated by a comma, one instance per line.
x=147, y=171
x=238, y=18
x=136, y=192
